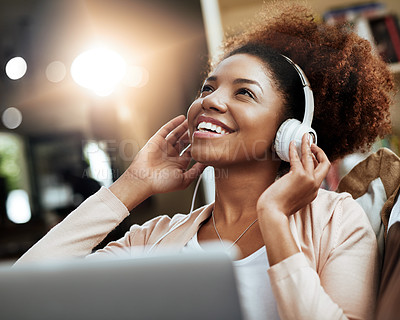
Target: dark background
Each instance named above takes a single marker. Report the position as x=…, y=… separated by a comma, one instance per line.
x=58, y=119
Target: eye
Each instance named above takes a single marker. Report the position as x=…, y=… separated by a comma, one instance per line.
x=206, y=88
x=246, y=92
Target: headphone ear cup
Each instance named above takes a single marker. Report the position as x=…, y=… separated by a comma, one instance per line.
x=291, y=130
x=284, y=136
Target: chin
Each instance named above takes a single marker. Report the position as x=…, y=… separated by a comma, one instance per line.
x=209, y=157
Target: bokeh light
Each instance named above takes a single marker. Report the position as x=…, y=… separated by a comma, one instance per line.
x=99, y=161
x=100, y=70
x=16, y=68
x=18, y=207
x=56, y=71
x=136, y=77
x=11, y=118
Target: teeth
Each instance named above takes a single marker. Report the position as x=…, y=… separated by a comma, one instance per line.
x=211, y=126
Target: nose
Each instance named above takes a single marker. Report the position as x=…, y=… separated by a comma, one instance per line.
x=214, y=101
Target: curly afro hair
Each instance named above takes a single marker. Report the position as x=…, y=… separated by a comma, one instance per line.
x=352, y=86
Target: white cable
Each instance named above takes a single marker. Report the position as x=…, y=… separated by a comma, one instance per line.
x=194, y=193
x=183, y=220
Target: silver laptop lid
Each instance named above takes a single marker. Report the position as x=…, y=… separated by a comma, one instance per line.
x=184, y=286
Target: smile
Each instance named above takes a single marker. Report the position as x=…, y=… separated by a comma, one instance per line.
x=210, y=127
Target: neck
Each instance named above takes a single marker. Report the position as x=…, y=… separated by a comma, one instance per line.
x=238, y=188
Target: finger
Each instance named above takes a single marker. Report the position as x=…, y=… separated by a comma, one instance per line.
x=306, y=154
x=295, y=162
x=190, y=175
x=314, y=160
x=183, y=142
x=170, y=125
x=324, y=164
x=176, y=133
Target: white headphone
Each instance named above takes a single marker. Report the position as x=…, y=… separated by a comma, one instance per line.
x=293, y=129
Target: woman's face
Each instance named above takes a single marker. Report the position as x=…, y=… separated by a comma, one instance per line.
x=237, y=114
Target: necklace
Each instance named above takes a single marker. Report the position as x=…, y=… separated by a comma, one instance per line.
x=220, y=239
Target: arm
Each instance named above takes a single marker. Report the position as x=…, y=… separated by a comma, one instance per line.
x=81, y=230
x=159, y=167
x=298, y=289
x=287, y=195
x=345, y=286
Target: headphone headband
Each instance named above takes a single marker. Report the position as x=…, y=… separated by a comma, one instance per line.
x=293, y=129
x=301, y=73
x=308, y=95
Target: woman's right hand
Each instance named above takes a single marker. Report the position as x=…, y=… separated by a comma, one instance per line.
x=160, y=166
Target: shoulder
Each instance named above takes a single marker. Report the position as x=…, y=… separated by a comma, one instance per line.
x=331, y=198
x=152, y=230
x=340, y=217
x=333, y=222
x=167, y=222
x=335, y=214
x=330, y=205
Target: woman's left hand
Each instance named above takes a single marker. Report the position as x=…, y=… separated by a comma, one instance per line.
x=300, y=185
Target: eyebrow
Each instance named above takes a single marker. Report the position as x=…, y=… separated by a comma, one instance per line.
x=239, y=80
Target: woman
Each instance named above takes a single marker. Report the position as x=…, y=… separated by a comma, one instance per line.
x=305, y=253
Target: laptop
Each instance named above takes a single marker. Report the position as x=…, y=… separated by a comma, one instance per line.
x=174, y=286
